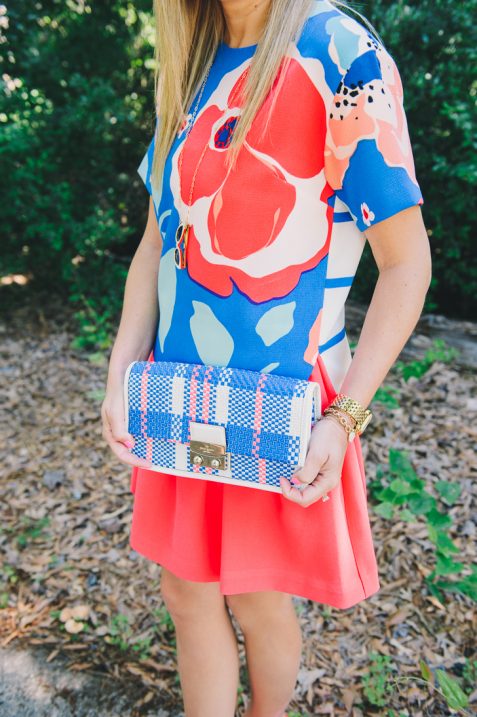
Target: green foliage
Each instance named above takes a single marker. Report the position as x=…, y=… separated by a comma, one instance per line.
x=30, y=530
x=164, y=618
x=388, y=396
x=401, y=495
x=377, y=685
x=381, y=685
x=77, y=113
x=121, y=634
x=469, y=674
x=450, y=688
x=434, y=43
x=440, y=351
x=438, y=680
x=455, y=697
x=8, y=578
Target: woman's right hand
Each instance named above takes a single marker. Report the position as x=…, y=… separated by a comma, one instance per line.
x=114, y=427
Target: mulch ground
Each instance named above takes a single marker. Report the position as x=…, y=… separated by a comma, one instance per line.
x=70, y=581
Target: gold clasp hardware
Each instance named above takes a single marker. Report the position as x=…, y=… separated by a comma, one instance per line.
x=204, y=448
x=208, y=454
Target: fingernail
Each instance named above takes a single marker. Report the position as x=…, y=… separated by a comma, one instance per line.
x=129, y=444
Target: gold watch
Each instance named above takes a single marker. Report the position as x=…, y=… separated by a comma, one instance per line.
x=355, y=410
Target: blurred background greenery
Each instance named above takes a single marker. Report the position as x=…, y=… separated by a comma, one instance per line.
x=76, y=116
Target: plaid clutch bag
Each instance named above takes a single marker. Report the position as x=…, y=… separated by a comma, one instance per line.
x=219, y=423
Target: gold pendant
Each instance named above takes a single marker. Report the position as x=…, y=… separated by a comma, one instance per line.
x=182, y=234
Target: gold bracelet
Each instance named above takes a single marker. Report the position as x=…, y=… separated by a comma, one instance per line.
x=336, y=409
x=331, y=411
x=354, y=409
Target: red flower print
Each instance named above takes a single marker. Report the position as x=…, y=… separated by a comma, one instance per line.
x=248, y=226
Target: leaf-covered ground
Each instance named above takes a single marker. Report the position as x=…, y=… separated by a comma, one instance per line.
x=71, y=584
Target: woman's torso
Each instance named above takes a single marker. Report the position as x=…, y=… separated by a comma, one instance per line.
x=272, y=251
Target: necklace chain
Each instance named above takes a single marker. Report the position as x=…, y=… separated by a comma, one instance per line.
x=189, y=127
x=182, y=232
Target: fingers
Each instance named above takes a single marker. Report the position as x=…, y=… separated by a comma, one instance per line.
x=119, y=448
x=323, y=465
x=312, y=481
x=310, y=493
x=315, y=462
x=118, y=429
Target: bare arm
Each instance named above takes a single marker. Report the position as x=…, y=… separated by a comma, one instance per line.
x=135, y=335
x=400, y=246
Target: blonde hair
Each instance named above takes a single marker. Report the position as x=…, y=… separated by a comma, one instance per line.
x=187, y=35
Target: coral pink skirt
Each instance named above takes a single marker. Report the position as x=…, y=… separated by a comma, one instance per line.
x=248, y=540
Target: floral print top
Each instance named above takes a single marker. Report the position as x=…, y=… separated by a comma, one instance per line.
x=274, y=245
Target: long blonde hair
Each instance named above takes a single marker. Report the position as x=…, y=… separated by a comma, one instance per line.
x=187, y=35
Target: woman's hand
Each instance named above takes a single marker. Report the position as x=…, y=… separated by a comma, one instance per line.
x=323, y=464
x=114, y=427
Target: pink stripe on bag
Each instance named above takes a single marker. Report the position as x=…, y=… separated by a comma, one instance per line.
x=144, y=381
x=257, y=418
x=262, y=470
x=193, y=406
x=206, y=400
x=193, y=393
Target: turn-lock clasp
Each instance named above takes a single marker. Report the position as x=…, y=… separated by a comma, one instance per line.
x=208, y=445
x=208, y=454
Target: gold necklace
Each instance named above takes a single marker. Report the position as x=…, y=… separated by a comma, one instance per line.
x=182, y=231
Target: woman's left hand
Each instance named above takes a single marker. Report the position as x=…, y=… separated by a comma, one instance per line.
x=323, y=463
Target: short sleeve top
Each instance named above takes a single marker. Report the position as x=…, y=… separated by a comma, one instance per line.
x=274, y=245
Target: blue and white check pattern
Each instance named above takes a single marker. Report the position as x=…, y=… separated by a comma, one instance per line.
x=267, y=418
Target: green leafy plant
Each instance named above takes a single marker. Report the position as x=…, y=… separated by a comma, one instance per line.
x=432, y=40
x=164, y=618
x=120, y=632
x=401, y=495
x=439, y=351
x=447, y=686
x=142, y=647
x=469, y=674
x=388, y=396
x=8, y=578
x=377, y=686
x=437, y=680
x=32, y=530
x=452, y=691
x=73, y=135
x=383, y=683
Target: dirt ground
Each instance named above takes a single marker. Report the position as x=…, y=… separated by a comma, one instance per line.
x=83, y=628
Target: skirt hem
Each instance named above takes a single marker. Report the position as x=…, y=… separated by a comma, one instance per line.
x=267, y=579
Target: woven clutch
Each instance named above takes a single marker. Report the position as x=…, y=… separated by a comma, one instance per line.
x=220, y=423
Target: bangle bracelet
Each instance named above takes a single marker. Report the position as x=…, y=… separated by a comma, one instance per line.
x=354, y=409
x=337, y=411
x=350, y=431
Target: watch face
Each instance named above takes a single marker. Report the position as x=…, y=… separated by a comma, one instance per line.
x=366, y=421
